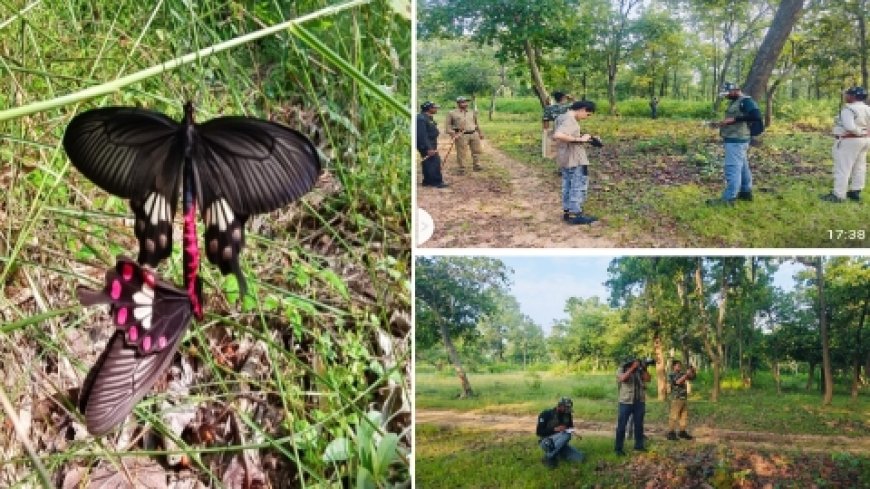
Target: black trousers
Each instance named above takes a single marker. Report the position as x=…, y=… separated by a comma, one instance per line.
x=432, y=170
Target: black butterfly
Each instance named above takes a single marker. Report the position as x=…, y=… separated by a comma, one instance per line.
x=151, y=316
x=238, y=166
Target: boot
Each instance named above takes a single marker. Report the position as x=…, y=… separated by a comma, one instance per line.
x=566, y=215
x=745, y=195
x=854, y=195
x=672, y=436
x=720, y=203
x=582, y=219
x=684, y=435
x=832, y=198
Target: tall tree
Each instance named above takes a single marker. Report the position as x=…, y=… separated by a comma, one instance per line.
x=521, y=30
x=615, y=43
x=452, y=294
x=818, y=264
x=786, y=17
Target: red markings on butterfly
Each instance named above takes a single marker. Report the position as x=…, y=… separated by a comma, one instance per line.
x=115, y=293
x=122, y=316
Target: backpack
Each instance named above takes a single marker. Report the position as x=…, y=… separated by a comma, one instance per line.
x=755, y=127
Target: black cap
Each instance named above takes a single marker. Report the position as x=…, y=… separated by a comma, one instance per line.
x=583, y=104
x=567, y=402
x=727, y=87
x=429, y=105
x=462, y=98
x=857, y=92
x=557, y=96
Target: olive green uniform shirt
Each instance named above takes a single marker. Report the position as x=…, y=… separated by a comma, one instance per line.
x=461, y=120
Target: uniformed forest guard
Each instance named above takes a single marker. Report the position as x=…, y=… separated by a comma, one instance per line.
x=557, y=420
x=462, y=123
x=427, y=145
x=679, y=396
x=734, y=129
x=850, y=147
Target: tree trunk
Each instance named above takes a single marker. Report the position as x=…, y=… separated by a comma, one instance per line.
x=454, y=359
x=810, y=376
x=768, y=53
x=661, y=378
x=777, y=377
x=856, y=381
x=712, y=337
x=826, y=345
x=537, y=81
x=862, y=40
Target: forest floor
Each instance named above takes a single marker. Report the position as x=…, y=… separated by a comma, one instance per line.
x=456, y=449
x=648, y=185
x=506, y=205
x=702, y=433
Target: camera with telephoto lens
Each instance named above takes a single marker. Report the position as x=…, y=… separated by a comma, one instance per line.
x=644, y=362
x=596, y=142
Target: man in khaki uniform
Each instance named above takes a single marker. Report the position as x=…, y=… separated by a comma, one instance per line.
x=850, y=147
x=679, y=412
x=462, y=123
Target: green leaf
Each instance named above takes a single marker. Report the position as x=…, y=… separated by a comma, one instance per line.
x=338, y=450
x=385, y=455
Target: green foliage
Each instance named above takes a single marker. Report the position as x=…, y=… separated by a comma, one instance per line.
x=326, y=273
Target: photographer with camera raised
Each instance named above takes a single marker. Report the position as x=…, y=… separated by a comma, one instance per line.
x=632, y=377
x=554, y=432
x=679, y=400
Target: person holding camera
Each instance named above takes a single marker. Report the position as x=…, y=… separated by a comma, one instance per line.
x=679, y=400
x=572, y=159
x=553, y=422
x=632, y=378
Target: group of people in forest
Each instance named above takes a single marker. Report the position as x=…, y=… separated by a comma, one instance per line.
x=741, y=123
x=555, y=426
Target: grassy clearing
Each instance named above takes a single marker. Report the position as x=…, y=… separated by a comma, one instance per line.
x=458, y=457
x=755, y=409
x=651, y=179
x=331, y=274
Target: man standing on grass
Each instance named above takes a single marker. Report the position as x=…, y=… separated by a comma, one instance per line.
x=427, y=145
x=631, y=377
x=679, y=400
x=557, y=420
x=851, y=147
x=462, y=123
x=734, y=130
x=572, y=159
x=654, y=107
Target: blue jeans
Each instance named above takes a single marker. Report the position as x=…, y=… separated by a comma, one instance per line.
x=567, y=453
x=636, y=411
x=738, y=178
x=574, y=183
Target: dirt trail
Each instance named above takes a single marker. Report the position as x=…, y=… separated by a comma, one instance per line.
x=507, y=205
x=702, y=434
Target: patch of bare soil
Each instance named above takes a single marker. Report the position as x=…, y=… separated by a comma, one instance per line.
x=506, y=205
x=703, y=434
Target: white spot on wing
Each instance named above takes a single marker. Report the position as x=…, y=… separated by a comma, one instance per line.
x=146, y=323
x=144, y=296
x=142, y=312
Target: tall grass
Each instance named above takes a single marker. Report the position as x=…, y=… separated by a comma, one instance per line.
x=329, y=274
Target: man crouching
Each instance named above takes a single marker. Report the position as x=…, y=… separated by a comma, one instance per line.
x=554, y=430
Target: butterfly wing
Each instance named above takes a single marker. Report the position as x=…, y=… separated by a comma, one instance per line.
x=245, y=166
x=151, y=316
x=135, y=154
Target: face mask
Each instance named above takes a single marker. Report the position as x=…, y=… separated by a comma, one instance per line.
x=732, y=97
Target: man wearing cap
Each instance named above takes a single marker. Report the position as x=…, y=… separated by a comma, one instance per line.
x=735, y=135
x=427, y=145
x=572, y=159
x=850, y=147
x=557, y=420
x=631, y=378
x=462, y=123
